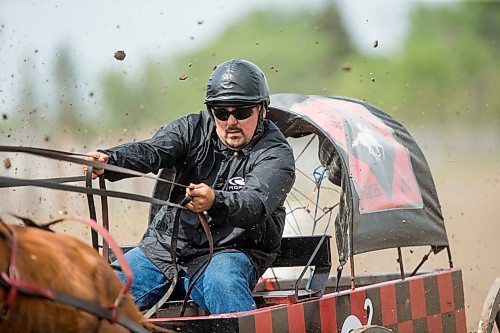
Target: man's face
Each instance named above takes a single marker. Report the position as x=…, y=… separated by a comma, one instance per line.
x=235, y=125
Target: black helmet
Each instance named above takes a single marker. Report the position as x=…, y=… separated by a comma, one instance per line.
x=237, y=81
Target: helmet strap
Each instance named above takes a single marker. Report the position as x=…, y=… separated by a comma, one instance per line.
x=263, y=107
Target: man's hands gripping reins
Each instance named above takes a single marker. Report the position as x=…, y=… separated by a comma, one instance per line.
x=202, y=197
x=98, y=157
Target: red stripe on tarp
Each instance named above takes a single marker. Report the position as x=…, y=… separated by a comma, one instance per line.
x=445, y=286
x=460, y=321
x=417, y=298
x=358, y=298
x=406, y=327
x=296, y=320
x=328, y=315
x=263, y=322
x=388, y=302
x=434, y=324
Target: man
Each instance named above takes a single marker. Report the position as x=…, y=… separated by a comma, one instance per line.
x=239, y=168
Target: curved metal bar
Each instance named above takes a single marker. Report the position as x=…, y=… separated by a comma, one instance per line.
x=491, y=309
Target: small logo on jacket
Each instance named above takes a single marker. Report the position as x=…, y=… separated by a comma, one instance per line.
x=236, y=183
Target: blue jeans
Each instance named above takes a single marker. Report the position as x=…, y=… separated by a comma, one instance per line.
x=226, y=286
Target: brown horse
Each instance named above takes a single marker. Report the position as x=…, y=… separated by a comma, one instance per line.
x=62, y=263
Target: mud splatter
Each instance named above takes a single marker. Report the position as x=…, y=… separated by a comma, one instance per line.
x=346, y=67
x=6, y=163
x=120, y=55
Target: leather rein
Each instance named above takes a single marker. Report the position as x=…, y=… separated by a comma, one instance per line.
x=57, y=183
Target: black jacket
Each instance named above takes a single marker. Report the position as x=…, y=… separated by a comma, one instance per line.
x=250, y=188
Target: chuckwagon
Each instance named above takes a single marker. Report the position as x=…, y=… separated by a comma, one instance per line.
x=372, y=190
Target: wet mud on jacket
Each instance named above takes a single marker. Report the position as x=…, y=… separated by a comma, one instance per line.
x=250, y=188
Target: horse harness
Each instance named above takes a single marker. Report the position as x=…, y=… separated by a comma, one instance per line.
x=14, y=285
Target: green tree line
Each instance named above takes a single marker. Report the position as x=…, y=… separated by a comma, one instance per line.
x=446, y=72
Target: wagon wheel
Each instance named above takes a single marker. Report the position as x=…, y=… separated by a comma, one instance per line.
x=311, y=207
x=313, y=199
x=491, y=309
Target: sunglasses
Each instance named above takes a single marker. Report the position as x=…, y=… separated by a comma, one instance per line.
x=240, y=113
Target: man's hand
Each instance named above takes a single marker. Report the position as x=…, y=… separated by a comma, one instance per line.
x=98, y=157
x=203, y=197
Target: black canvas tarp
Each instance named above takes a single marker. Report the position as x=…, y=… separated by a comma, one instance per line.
x=388, y=195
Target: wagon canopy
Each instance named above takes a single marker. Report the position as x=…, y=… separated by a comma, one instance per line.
x=388, y=197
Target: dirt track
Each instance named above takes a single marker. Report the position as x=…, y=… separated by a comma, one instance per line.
x=466, y=170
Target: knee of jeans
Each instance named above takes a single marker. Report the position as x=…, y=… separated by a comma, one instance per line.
x=225, y=285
